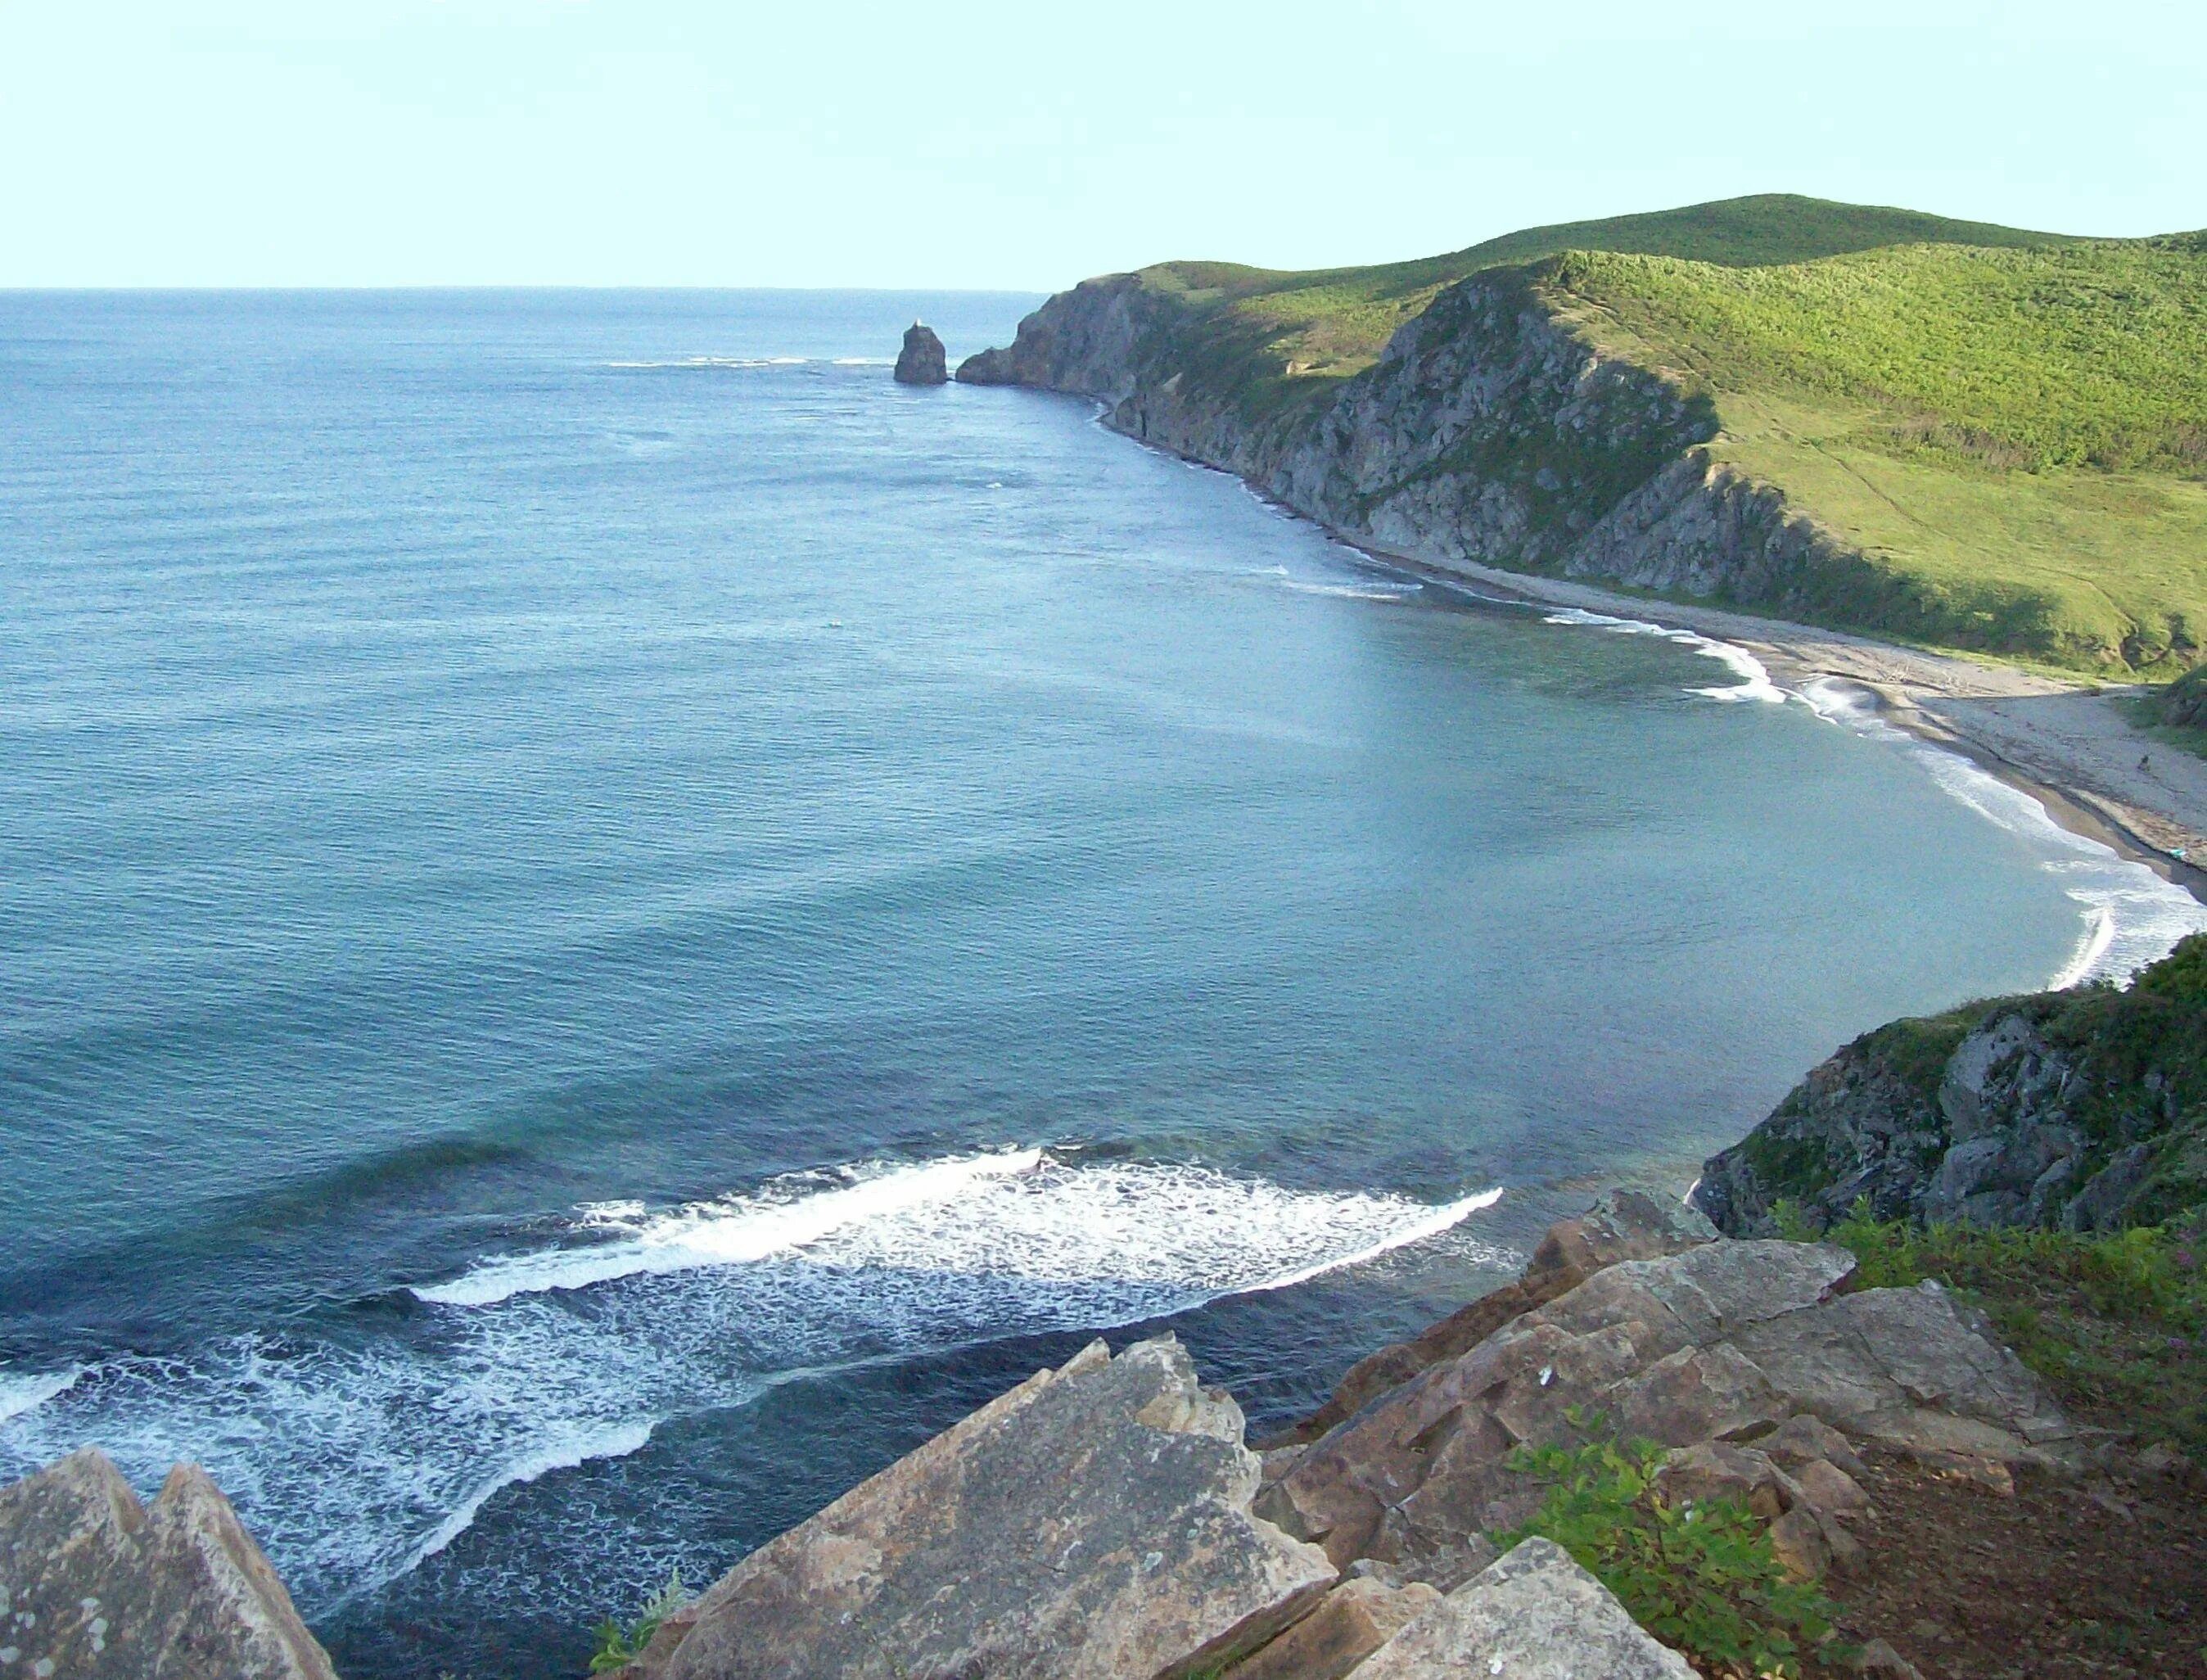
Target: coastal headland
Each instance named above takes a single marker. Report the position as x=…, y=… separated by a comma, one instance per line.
x=1964, y=467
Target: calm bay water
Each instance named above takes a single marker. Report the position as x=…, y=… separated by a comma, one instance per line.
x=606, y=918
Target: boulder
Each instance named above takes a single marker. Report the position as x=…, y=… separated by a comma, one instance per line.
x=922, y=361
x=1805, y=1437
x=93, y=1585
x=1350, y=1623
x=1711, y=1470
x=1535, y=1614
x=1624, y=1225
x=1094, y=1522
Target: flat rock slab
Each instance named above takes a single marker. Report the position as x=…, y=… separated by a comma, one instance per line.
x=1534, y=1615
x=93, y=1585
x=1093, y=1522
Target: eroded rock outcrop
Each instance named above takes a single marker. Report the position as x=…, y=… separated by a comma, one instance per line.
x=1727, y=1342
x=922, y=360
x=1624, y=1225
x=2085, y=1110
x=94, y=1586
x=1094, y=1522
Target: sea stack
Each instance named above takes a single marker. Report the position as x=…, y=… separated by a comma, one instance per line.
x=922, y=361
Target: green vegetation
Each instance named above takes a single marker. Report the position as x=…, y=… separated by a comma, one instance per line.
x=2010, y=426
x=1700, y=1578
x=2137, y=1054
x=618, y=1647
x=1269, y=329
x=2017, y=438
x=2116, y=1323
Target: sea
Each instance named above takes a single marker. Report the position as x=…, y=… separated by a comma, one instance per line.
x=609, y=919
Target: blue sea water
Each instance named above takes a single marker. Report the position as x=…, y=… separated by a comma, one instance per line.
x=608, y=918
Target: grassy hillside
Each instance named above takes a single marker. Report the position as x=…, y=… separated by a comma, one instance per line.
x=2017, y=437
x=2013, y=426
x=1292, y=334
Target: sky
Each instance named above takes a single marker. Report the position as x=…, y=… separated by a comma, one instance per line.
x=812, y=143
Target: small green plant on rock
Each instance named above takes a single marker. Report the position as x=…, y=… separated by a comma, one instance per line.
x=618, y=1647
x=1700, y=1577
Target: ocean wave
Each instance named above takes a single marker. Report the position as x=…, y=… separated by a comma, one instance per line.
x=714, y=361
x=1754, y=684
x=22, y=1391
x=354, y=1461
x=1361, y=588
x=2131, y=915
x=1020, y=1213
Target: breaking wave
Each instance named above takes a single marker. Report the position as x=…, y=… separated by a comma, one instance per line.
x=22, y=1391
x=1753, y=682
x=355, y=1460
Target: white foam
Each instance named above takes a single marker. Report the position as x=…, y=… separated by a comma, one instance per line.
x=716, y=361
x=2132, y=917
x=1754, y=683
x=727, y=1232
x=22, y=1391
x=353, y=1462
x=618, y=1442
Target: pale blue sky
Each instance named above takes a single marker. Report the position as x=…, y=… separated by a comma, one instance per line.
x=674, y=143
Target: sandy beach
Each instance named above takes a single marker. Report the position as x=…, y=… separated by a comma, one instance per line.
x=2068, y=742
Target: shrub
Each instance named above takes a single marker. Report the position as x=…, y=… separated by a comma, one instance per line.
x=618, y=1647
x=1700, y=1577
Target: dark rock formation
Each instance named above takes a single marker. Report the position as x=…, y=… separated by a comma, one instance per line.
x=922, y=360
x=93, y=1585
x=2085, y=1110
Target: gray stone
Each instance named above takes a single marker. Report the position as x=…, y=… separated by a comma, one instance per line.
x=1879, y=1659
x=1805, y=1437
x=921, y=361
x=1350, y=1623
x=2101, y=1204
x=1829, y=1491
x=1797, y=1541
x=98, y=1587
x=1093, y=1522
x=1535, y=1614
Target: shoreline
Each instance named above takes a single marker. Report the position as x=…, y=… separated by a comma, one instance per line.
x=1948, y=703
x=2071, y=758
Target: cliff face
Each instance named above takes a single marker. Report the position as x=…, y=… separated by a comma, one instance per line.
x=2085, y=1110
x=1492, y=429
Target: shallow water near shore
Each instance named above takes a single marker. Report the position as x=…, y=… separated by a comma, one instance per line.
x=606, y=920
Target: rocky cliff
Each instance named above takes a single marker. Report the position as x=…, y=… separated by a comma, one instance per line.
x=2085, y=1110
x=1494, y=427
x=1106, y=1519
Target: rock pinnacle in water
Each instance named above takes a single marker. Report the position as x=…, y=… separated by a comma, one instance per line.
x=922, y=361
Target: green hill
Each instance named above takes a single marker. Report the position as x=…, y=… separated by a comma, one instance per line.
x=2010, y=428
x=1321, y=324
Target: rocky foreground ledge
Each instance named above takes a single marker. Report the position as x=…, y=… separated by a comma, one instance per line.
x=1107, y=1518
